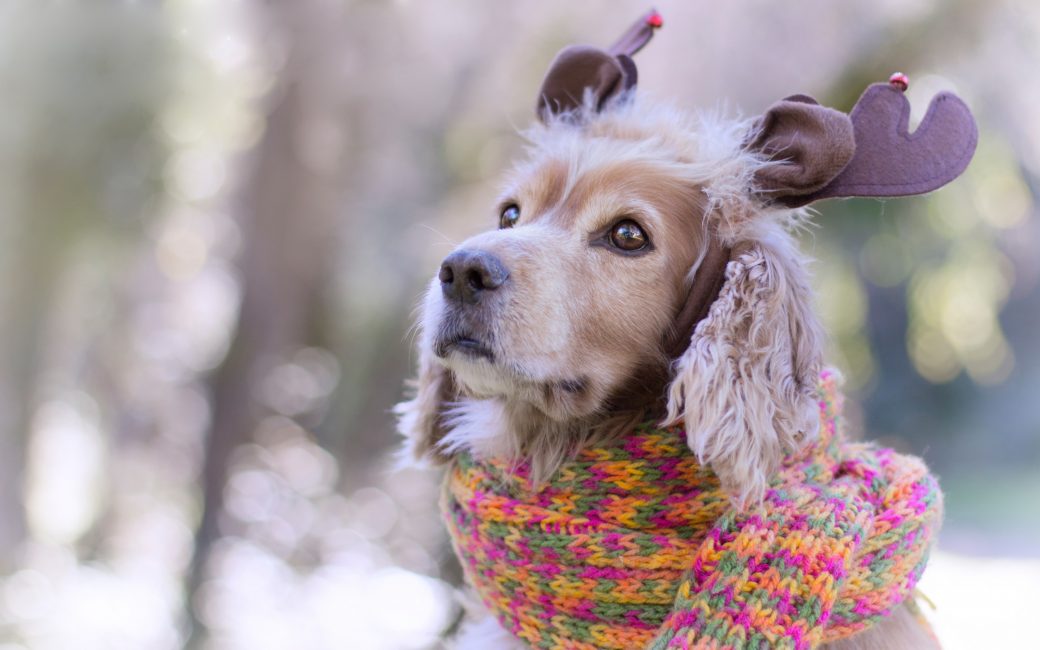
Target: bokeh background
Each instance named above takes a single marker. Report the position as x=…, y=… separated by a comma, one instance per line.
x=215, y=222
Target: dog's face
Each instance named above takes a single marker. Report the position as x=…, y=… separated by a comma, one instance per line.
x=577, y=289
x=535, y=335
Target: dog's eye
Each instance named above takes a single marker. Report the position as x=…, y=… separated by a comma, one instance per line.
x=628, y=236
x=510, y=215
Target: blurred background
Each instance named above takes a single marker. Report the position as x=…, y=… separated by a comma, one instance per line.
x=216, y=219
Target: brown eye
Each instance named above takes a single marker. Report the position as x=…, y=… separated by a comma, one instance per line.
x=510, y=215
x=628, y=236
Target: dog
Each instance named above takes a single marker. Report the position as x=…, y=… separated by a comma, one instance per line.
x=645, y=268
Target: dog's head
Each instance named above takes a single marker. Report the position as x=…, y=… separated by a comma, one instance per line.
x=642, y=259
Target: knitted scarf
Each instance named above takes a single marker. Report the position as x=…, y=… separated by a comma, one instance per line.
x=636, y=545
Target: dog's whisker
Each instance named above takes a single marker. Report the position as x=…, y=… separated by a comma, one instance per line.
x=445, y=238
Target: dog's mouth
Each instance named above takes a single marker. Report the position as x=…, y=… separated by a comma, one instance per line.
x=481, y=372
x=465, y=344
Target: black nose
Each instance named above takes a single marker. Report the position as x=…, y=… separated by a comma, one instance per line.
x=467, y=275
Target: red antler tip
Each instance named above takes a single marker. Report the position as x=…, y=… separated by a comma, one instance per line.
x=654, y=20
x=899, y=80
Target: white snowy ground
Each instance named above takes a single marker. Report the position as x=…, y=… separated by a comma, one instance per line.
x=983, y=603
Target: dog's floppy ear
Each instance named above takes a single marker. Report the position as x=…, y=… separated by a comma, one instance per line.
x=604, y=73
x=821, y=153
x=421, y=419
x=745, y=387
x=809, y=145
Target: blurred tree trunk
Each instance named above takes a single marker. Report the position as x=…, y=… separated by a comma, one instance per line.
x=34, y=258
x=89, y=82
x=287, y=213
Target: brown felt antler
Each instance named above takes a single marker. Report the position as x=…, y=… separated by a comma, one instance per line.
x=638, y=35
x=891, y=161
x=879, y=158
x=606, y=72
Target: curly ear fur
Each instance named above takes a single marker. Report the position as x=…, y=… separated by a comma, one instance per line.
x=746, y=386
x=421, y=419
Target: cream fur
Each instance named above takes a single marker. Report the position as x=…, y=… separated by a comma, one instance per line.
x=418, y=418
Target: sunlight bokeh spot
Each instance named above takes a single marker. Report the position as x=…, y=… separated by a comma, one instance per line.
x=66, y=462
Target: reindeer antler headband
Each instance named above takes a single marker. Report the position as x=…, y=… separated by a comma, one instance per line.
x=821, y=152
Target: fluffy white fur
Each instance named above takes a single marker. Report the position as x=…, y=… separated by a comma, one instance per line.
x=476, y=425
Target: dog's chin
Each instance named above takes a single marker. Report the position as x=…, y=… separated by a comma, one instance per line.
x=485, y=376
x=477, y=373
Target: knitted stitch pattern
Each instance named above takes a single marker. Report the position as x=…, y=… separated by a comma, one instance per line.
x=637, y=545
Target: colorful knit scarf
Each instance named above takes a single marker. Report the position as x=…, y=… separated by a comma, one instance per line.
x=637, y=546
